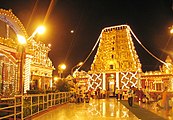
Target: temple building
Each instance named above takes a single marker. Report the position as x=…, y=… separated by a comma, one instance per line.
x=156, y=81
x=116, y=65
x=116, y=59
x=22, y=67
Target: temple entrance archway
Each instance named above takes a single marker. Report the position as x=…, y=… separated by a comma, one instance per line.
x=9, y=55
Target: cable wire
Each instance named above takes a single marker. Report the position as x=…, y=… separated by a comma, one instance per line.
x=145, y=47
x=136, y=40
x=91, y=51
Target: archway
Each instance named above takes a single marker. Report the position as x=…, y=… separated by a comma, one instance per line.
x=9, y=82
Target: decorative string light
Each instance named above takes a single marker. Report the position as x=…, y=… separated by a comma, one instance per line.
x=146, y=48
x=125, y=79
x=94, y=81
x=42, y=59
x=27, y=73
x=8, y=17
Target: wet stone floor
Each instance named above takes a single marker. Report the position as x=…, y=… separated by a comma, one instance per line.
x=96, y=109
x=168, y=115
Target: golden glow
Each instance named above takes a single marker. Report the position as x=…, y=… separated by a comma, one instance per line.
x=171, y=31
x=55, y=78
x=41, y=29
x=49, y=45
x=21, y=39
x=62, y=67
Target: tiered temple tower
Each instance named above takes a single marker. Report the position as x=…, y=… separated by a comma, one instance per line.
x=117, y=59
x=116, y=51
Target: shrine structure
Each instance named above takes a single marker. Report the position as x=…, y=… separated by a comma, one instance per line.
x=116, y=59
x=116, y=64
x=37, y=67
x=156, y=81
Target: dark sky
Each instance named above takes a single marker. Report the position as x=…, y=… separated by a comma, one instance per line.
x=149, y=19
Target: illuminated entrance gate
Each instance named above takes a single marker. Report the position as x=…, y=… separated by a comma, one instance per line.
x=111, y=81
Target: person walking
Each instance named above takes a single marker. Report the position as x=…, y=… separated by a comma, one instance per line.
x=141, y=95
x=116, y=93
x=130, y=96
x=120, y=93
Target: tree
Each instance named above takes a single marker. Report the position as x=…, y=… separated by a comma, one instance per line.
x=62, y=85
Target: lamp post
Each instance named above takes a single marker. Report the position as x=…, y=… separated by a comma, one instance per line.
x=77, y=67
x=22, y=42
x=61, y=68
x=40, y=30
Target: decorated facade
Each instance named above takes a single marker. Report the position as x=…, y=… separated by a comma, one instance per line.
x=116, y=59
x=116, y=63
x=156, y=81
x=116, y=51
x=36, y=70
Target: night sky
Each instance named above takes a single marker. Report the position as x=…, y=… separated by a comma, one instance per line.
x=149, y=19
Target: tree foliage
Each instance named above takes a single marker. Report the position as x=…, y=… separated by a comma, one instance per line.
x=62, y=85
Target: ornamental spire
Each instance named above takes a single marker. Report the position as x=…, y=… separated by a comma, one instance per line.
x=116, y=51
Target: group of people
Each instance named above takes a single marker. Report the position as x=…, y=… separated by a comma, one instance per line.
x=130, y=93
x=119, y=94
x=137, y=95
x=141, y=95
x=163, y=101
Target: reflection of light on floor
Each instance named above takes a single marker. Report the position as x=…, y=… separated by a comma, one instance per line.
x=117, y=114
x=111, y=105
x=104, y=108
x=118, y=111
x=125, y=114
x=115, y=109
x=93, y=109
x=109, y=109
x=81, y=111
x=112, y=108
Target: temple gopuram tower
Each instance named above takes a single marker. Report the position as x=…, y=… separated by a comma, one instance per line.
x=116, y=59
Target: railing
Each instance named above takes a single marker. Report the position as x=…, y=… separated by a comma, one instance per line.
x=11, y=107
x=23, y=107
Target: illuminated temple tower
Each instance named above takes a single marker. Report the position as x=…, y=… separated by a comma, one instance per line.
x=116, y=58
